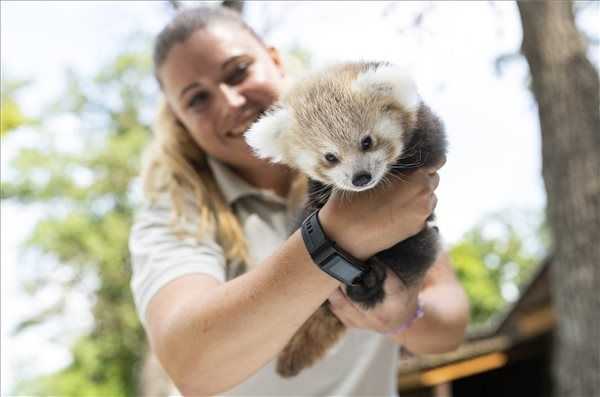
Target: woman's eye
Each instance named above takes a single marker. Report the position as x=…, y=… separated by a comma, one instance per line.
x=330, y=157
x=198, y=99
x=366, y=143
x=239, y=74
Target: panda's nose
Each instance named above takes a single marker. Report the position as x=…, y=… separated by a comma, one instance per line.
x=361, y=179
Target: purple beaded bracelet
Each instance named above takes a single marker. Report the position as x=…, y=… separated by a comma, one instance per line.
x=404, y=326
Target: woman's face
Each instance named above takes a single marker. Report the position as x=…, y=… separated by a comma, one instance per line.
x=217, y=83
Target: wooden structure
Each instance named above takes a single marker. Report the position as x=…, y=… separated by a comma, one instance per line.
x=510, y=357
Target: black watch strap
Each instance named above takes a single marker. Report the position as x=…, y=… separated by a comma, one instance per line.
x=327, y=255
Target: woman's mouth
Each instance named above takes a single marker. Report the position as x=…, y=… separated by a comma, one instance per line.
x=239, y=131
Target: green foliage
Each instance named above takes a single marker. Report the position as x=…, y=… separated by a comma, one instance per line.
x=88, y=193
x=497, y=255
x=11, y=115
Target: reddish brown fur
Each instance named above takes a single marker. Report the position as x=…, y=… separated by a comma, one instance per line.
x=310, y=342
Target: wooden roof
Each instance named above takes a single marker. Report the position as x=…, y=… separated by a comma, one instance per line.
x=486, y=347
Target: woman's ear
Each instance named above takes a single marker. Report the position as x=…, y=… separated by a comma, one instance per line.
x=266, y=136
x=390, y=81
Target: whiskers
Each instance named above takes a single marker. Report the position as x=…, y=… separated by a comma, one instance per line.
x=343, y=194
x=321, y=194
x=395, y=176
x=410, y=153
x=408, y=166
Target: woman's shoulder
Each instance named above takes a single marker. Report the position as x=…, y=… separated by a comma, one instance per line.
x=160, y=211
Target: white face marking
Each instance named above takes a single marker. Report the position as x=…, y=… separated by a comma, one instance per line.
x=306, y=161
x=388, y=128
x=266, y=137
x=389, y=80
x=372, y=162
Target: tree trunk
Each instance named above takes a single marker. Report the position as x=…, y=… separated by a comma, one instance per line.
x=565, y=85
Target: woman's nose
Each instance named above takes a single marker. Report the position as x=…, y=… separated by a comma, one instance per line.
x=232, y=96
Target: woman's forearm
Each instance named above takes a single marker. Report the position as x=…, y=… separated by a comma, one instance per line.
x=442, y=328
x=211, y=345
x=446, y=313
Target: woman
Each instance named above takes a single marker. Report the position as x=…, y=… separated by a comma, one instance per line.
x=218, y=284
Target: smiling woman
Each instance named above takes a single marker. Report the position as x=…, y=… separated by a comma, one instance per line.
x=217, y=85
x=223, y=288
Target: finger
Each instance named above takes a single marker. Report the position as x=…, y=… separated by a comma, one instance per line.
x=377, y=319
x=374, y=319
x=343, y=317
x=336, y=304
x=440, y=163
x=392, y=284
x=335, y=299
x=435, y=167
x=434, y=201
x=434, y=180
x=347, y=311
x=395, y=310
x=396, y=291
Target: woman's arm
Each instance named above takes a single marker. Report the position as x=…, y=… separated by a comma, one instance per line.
x=445, y=304
x=446, y=312
x=210, y=336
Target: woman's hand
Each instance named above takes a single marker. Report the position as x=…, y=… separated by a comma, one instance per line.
x=372, y=221
x=399, y=306
x=446, y=310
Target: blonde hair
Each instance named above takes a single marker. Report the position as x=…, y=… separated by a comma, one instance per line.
x=176, y=165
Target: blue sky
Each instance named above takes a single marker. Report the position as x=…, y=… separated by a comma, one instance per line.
x=494, y=161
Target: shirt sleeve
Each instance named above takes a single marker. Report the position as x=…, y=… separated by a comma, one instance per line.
x=159, y=256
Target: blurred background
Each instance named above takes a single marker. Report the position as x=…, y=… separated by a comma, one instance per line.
x=78, y=99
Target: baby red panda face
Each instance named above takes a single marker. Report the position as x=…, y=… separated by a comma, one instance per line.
x=360, y=158
x=345, y=126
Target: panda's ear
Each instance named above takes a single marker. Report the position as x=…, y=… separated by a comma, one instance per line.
x=266, y=136
x=389, y=80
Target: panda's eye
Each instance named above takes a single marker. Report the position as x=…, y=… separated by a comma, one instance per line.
x=366, y=143
x=330, y=157
x=387, y=108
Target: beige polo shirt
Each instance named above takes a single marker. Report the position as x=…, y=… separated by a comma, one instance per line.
x=363, y=363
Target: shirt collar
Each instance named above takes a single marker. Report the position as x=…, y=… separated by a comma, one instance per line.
x=234, y=187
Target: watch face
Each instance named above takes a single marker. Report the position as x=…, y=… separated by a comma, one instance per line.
x=341, y=269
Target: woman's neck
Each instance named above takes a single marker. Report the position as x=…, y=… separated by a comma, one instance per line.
x=268, y=176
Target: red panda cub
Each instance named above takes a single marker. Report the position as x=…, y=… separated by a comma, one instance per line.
x=348, y=127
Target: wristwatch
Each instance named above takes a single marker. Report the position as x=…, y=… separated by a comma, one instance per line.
x=328, y=256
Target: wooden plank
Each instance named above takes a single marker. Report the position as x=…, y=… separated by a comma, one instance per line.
x=453, y=371
x=537, y=322
x=465, y=352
